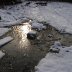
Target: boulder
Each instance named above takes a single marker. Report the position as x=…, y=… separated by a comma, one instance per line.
x=32, y=35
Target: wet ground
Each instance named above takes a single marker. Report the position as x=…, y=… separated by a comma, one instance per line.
x=22, y=54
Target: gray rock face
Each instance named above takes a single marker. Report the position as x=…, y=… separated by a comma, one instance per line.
x=32, y=35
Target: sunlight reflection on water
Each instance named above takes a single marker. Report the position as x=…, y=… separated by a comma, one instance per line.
x=26, y=28
x=20, y=33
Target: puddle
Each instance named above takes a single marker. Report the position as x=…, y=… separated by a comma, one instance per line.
x=22, y=55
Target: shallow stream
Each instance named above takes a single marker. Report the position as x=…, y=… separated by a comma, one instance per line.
x=22, y=54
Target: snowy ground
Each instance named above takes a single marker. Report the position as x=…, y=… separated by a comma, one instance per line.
x=4, y=40
x=3, y=31
x=56, y=62
x=58, y=15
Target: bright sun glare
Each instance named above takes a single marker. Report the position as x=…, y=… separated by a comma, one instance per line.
x=26, y=28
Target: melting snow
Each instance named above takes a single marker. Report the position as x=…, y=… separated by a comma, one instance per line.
x=58, y=15
x=38, y=26
x=1, y=54
x=5, y=40
x=3, y=31
x=56, y=62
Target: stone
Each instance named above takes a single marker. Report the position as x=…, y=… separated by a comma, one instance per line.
x=32, y=35
x=0, y=17
x=55, y=50
x=9, y=2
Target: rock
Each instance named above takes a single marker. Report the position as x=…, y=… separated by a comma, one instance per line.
x=56, y=47
x=49, y=35
x=56, y=50
x=0, y=17
x=32, y=35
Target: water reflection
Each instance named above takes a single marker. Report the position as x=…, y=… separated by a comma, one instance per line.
x=20, y=34
x=25, y=29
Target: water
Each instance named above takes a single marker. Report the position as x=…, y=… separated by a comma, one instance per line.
x=22, y=55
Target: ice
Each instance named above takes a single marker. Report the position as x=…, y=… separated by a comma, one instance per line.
x=1, y=54
x=3, y=31
x=56, y=62
x=5, y=40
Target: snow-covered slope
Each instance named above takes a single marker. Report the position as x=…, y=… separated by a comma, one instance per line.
x=56, y=62
x=1, y=54
x=59, y=15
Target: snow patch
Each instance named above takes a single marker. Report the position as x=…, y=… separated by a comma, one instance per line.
x=3, y=31
x=56, y=62
x=1, y=54
x=38, y=26
x=57, y=14
x=5, y=40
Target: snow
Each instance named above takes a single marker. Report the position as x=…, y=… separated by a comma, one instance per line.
x=56, y=62
x=38, y=26
x=1, y=54
x=5, y=40
x=32, y=32
x=3, y=31
x=58, y=15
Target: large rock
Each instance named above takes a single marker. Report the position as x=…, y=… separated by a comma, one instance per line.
x=0, y=18
x=32, y=35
